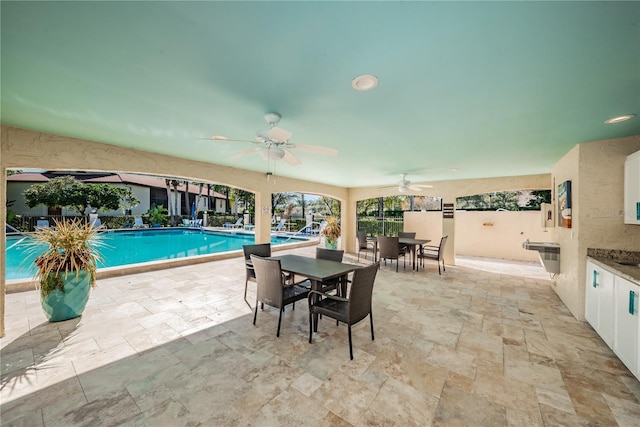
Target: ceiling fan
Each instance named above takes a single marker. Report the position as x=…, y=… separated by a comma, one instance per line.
x=273, y=144
x=404, y=185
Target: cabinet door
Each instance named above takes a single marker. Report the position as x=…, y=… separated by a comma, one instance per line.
x=626, y=323
x=632, y=189
x=599, y=301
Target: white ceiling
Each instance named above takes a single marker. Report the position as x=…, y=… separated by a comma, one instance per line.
x=487, y=88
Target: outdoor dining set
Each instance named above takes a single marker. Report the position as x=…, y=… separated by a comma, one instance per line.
x=324, y=280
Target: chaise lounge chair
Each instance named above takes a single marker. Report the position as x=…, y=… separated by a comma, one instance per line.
x=137, y=223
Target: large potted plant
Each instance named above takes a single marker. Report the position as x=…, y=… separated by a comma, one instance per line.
x=67, y=268
x=331, y=232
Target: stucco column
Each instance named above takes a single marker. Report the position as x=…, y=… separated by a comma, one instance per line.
x=449, y=229
x=348, y=224
x=263, y=217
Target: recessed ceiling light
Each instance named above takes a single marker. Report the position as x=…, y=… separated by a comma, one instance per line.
x=452, y=170
x=364, y=82
x=620, y=119
x=220, y=137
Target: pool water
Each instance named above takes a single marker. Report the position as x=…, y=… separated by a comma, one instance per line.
x=133, y=247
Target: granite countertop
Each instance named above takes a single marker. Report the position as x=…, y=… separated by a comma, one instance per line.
x=605, y=258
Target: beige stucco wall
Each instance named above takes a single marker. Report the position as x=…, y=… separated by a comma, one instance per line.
x=475, y=237
x=499, y=234
x=596, y=171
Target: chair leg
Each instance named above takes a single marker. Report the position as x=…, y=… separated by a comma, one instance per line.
x=443, y=265
x=246, y=285
x=350, y=347
x=397, y=264
x=279, y=321
x=439, y=268
x=371, y=321
x=255, y=313
x=310, y=327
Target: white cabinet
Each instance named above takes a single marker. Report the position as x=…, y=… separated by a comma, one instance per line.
x=611, y=306
x=599, y=301
x=632, y=189
x=627, y=323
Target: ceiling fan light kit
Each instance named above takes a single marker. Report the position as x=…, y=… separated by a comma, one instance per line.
x=274, y=145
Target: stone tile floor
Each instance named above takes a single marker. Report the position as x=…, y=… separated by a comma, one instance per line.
x=177, y=347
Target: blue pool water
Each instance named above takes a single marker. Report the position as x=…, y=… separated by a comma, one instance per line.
x=132, y=247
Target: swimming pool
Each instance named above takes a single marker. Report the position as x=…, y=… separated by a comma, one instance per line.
x=124, y=247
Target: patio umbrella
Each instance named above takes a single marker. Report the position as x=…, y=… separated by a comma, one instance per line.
x=193, y=210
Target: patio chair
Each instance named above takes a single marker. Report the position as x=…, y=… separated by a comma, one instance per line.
x=43, y=223
x=237, y=224
x=331, y=255
x=262, y=250
x=433, y=252
x=280, y=226
x=137, y=223
x=272, y=288
x=390, y=249
x=348, y=310
x=365, y=245
x=95, y=222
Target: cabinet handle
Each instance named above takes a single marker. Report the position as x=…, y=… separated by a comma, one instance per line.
x=632, y=300
x=595, y=278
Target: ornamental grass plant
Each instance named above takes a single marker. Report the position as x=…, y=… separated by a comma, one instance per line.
x=71, y=247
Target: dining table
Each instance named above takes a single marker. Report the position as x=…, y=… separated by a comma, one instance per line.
x=317, y=271
x=413, y=243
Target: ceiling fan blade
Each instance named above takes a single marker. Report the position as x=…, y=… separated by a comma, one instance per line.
x=316, y=149
x=290, y=158
x=245, y=152
x=422, y=185
x=228, y=140
x=279, y=135
x=414, y=188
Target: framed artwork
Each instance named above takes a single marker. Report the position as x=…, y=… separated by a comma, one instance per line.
x=564, y=204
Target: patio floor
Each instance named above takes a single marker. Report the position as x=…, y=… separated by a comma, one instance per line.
x=177, y=347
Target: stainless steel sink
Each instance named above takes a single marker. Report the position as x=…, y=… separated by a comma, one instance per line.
x=627, y=262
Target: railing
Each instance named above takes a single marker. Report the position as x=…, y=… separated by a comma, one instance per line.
x=380, y=226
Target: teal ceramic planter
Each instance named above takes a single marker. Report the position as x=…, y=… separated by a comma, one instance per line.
x=69, y=304
x=331, y=244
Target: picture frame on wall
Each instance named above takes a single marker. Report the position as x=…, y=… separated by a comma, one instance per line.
x=564, y=204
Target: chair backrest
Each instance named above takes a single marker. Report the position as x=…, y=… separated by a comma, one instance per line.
x=361, y=235
x=280, y=224
x=410, y=235
x=137, y=221
x=329, y=254
x=361, y=292
x=238, y=222
x=389, y=247
x=95, y=222
x=269, y=279
x=262, y=250
x=443, y=241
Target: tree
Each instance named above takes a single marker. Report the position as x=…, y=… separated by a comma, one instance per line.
x=68, y=192
x=330, y=205
x=280, y=202
x=538, y=197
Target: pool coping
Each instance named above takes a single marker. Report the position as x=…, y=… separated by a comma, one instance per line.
x=21, y=285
